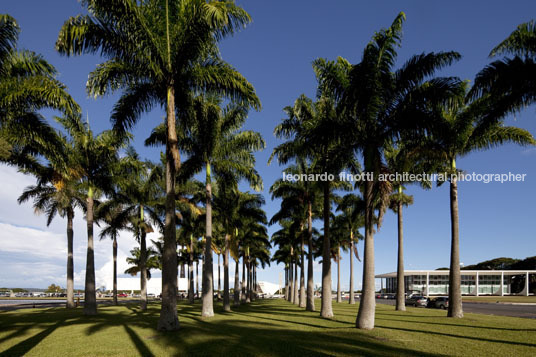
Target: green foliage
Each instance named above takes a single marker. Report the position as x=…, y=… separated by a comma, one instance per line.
x=134, y=261
x=54, y=289
x=528, y=263
x=27, y=85
x=152, y=46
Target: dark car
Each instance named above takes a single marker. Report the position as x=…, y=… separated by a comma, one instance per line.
x=441, y=302
x=417, y=300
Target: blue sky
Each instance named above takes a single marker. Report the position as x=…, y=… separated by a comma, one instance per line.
x=275, y=54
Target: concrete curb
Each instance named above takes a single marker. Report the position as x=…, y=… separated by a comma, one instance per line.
x=501, y=303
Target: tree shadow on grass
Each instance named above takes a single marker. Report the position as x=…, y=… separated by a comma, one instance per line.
x=238, y=337
x=285, y=321
x=25, y=346
x=140, y=345
x=447, y=324
x=483, y=339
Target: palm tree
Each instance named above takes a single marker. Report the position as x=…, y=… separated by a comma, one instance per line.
x=95, y=160
x=159, y=52
x=379, y=105
x=217, y=144
x=255, y=245
x=313, y=131
x=135, y=260
x=188, y=235
x=27, y=84
x=116, y=220
x=285, y=238
x=58, y=196
x=302, y=194
x=352, y=218
x=234, y=209
x=400, y=160
x=464, y=128
x=138, y=193
x=511, y=81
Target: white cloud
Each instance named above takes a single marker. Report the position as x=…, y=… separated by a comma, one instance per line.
x=32, y=242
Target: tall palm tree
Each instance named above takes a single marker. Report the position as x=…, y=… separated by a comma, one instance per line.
x=313, y=131
x=27, y=84
x=306, y=195
x=400, y=160
x=139, y=196
x=462, y=129
x=285, y=239
x=95, y=159
x=58, y=196
x=234, y=209
x=352, y=208
x=379, y=104
x=255, y=244
x=217, y=143
x=188, y=235
x=116, y=220
x=158, y=53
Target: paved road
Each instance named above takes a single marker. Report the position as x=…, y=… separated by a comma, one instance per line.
x=528, y=311
x=45, y=304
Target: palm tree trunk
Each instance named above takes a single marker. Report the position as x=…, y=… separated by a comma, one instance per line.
x=326, y=308
x=291, y=277
x=400, y=284
x=115, y=270
x=197, y=278
x=339, y=295
x=236, y=295
x=286, y=283
x=310, y=306
x=70, y=263
x=90, y=297
x=296, y=299
x=207, y=309
x=191, y=297
x=351, y=299
x=302, y=274
x=254, y=279
x=248, y=281
x=226, y=297
x=169, y=320
x=219, y=276
x=455, y=294
x=143, y=264
x=243, y=285
x=367, y=305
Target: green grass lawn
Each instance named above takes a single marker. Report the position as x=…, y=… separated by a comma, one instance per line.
x=269, y=327
x=492, y=299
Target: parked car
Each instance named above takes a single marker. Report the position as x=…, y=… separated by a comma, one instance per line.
x=151, y=295
x=441, y=302
x=417, y=300
x=122, y=295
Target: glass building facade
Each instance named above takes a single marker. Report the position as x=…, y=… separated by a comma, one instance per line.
x=436, y=282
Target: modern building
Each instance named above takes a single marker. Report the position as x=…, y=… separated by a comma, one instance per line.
x=268, y=288
x=474, y=282
x=154, y=285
